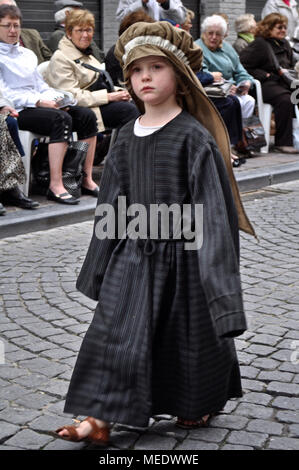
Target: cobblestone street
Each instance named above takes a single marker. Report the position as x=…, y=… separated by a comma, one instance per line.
x=43, y=319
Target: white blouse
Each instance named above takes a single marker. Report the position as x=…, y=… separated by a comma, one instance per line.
x=20, y=82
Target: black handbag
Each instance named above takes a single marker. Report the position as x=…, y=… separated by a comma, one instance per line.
x=104, y=81
x=253, y=135
x=72, y=169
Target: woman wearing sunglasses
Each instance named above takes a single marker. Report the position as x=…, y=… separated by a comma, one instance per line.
x=258, y=60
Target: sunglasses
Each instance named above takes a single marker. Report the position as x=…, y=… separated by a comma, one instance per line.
x=281, y=26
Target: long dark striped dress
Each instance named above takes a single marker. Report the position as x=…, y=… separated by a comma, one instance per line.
x=161, y=337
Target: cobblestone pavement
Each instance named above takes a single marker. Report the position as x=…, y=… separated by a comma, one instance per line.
x=44, y=318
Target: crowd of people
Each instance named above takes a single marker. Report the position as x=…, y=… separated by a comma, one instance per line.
x=31, y=100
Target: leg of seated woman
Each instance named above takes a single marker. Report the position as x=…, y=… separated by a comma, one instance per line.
x=88, y=165
x=85, y=124
x=56, y=124
x=118, y=113
x=247, y=103
x=56, y=152
x=280, y=99
x=230, y=111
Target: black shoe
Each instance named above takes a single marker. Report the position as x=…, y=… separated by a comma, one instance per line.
x=15, y=197
x=236, y=163
x=90, y=192
x=64, y=198
x=2, y=209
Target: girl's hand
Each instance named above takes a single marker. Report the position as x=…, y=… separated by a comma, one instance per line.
x=119, y=96
x=8, y=109
x=46, y=104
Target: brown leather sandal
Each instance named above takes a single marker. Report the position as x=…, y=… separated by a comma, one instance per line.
x=190, y=424
x=97, y=435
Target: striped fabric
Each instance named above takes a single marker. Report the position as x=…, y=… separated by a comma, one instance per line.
x=161, y=337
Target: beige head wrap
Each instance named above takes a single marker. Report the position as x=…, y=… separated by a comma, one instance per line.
x=161, y=38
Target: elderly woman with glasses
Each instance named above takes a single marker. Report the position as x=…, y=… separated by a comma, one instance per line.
x=219, y=56
x=258, y=60
x=67, y=71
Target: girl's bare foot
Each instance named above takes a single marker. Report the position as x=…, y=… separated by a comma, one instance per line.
x=83, y=429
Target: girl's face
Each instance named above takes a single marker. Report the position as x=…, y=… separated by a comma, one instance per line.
x=153, y=80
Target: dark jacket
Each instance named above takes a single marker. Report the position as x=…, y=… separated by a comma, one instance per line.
x=113, y=67
x=258, y=62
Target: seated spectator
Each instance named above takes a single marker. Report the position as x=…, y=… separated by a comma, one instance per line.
x=157, y=9
x=219, y=56
x=287, y=8
x=38, y=107
x=65, y=6
x=31, y=39
x=12, y=172
x=230, y=111
x=187, y=25
x=257, y=59
x=245, y=27
x=112, y=64
x=67, y=72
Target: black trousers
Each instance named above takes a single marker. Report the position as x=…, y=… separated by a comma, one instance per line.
x=118, y=113
x=230, y=111
x=59, y=124
x=279, y=96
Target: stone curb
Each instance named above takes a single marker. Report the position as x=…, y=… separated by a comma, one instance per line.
x=54, y=215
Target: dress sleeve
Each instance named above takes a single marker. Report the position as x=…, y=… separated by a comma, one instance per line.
x=218, y=255
x=100, y=250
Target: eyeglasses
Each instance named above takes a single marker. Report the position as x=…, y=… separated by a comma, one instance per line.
x=281, y=26
x=215, y=33
x=11, y=26
x=81, y=30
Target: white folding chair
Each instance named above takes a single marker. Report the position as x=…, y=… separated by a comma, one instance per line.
x=265, y=112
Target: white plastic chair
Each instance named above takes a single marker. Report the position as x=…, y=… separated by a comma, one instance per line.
x=265, y=112
x=27, y=139
x=41, y=68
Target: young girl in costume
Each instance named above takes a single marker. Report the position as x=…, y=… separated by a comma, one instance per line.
x=161, y=340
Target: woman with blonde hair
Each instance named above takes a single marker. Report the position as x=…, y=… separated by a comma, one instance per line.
x=245, y=27
x=73, y=68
